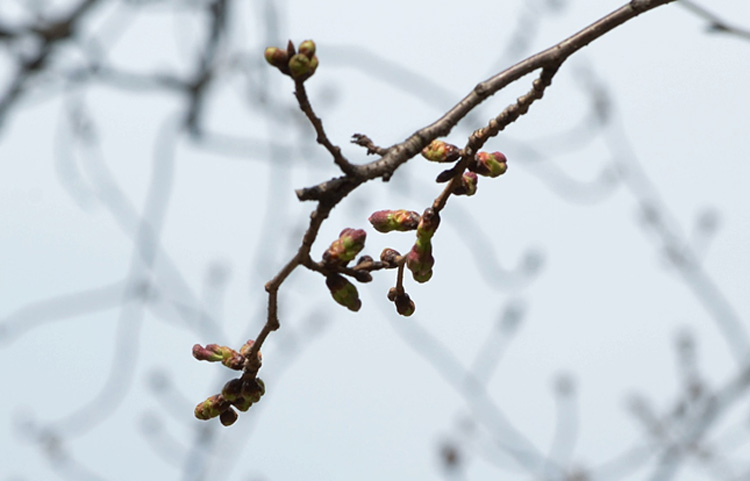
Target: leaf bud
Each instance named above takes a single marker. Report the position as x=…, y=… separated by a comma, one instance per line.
x=390, y=220
x=439, y=151
x=344, y=292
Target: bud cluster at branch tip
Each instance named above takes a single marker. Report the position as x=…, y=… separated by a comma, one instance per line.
x=345, y=248
x=239, y=393
x=398, y=220
x=439, y=151
x=300, y=65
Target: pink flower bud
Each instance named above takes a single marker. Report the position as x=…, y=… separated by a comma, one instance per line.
x=428, y=224
x=346, y=247
x=439, y=151
x=390, y=220
x=468, y=185
x=490, y=164
x=215, y=353
x=211, y=407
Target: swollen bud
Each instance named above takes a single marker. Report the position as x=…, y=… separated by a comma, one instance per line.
x=490, y=164
x=389, y=257
x=301, y=67
x=346, y=247
x=279, y=58
x=228, y=417
x=468, y=185
x=344, y=292
x=439, y=151
x=215, y=353
x=211, y=407
x=307, y=48
x=428, y=224
x=419, y=260
x=390, y=220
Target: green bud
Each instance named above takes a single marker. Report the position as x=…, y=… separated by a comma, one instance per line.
x=346, y=247
x=439, y=151
x=307, y=48
x=390, y=220
x=344, y=292
x=278, y=58
x=490, y=164
x=301, y=67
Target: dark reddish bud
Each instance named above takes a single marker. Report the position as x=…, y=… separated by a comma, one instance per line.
x=404, y=305
x=228, y=417
x=390, y=220
x=445, y=176
x=232, y=390
x=346, y=247
x=389, y=257
x=439, y=151
x=468, y=185
x=215, y=353
x=253, y=389
x=344, y=292
x=490, y=164
x=362, y=276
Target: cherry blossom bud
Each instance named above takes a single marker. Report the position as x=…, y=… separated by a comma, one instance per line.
x=211, y=407
x=404, y=305
x=419, y=260
x=439, y=151
x=390, y=220
x=232, y=390
x=278, y=58
x=389, y=257
x=215, y=353
x=228, y=417
x=346, y=247
x=490, y=164
x=301, y=67
x=468, y=185
x=428, y=224
x=307, y=48
x=343, y=292
x=253, y=389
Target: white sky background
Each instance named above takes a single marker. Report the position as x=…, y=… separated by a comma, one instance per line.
x=361, y=396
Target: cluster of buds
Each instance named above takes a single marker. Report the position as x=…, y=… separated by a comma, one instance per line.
x=404, y=305
x=342, y=251
x=239, y=393
x=298, y=64
x=394, y=220
x=419, y=260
